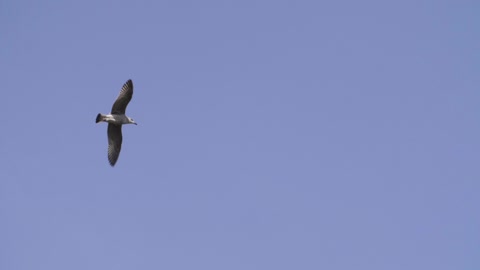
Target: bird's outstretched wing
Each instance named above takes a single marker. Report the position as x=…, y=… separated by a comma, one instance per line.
x=114, y=143
x=120, y=105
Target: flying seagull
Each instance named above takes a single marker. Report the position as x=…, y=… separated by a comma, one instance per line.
x=115, y=120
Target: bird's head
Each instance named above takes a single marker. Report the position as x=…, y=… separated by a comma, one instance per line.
x=131, y=121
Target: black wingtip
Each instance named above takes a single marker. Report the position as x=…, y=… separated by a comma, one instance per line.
x=130, y=83
x=112, y=162
x=99, y=118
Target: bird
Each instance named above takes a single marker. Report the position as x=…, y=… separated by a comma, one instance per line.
x=115, y=120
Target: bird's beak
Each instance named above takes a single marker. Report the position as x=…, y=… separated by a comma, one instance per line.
x=135, y=124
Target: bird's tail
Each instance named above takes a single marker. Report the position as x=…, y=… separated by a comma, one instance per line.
x=99, y=118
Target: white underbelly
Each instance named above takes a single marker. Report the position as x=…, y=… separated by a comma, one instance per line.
x=116, y=119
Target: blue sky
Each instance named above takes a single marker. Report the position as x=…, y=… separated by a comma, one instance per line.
x=272, y=135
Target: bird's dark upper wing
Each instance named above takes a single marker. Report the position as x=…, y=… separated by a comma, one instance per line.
x=114, y=142
x=120, y=105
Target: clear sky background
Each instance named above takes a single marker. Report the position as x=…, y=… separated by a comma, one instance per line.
x=272, y=135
